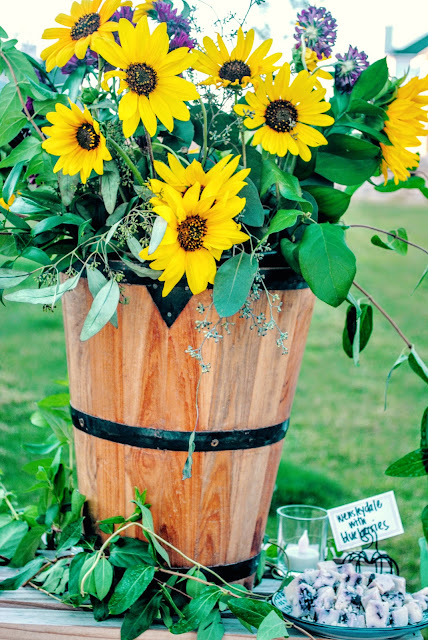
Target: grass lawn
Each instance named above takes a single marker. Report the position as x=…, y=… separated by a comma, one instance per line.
x=341, y=440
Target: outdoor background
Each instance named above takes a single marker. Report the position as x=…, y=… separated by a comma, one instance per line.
x=341, y=440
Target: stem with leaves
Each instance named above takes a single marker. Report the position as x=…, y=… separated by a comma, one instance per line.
x=388, y=233
x=21, y=99
x=127, y=160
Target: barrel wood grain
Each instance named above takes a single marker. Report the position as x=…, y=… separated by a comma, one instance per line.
x=140, y=375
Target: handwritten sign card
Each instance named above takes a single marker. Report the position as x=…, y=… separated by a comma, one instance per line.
x=360, y=522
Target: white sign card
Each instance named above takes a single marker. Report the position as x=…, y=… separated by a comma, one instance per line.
x=363, y=521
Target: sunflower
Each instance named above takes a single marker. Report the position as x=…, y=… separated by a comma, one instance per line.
x=143, y=9
x=7, y=205
x=406, y=118
x=283, y=111
x=199, y=229
x=221, y=179
x=240, y=66
x=86, y=21
x=76, y=138
x=311, y=61
x=150, y=74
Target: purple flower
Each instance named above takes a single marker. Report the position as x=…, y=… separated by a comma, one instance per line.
x=30, y=106
x=175, y=23
x=123, y=12
x=349, y=68
x=90, y=60
x=182, y=40
x=318, y=28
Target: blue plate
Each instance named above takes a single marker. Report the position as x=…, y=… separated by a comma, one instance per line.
x=346, y=633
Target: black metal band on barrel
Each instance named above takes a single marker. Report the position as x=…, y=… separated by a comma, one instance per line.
x=229, y=572
x=177, y=440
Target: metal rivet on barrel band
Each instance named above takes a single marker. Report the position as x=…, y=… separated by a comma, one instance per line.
x=146, y=438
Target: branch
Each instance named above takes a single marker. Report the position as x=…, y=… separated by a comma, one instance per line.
x=384, y=313
x=21, y=99
x=388, y=233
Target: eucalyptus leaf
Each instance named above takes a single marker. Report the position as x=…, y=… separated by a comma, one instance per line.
x=233, y=282
x=253, y=213
x=110, y=182
x=103, y=307
x=26, y=206
x=36, y=255
x=272, y=627
x=134, y=247
x=67, y=186
x=46, y=295
x=327, y=263
x=143, y=272
x=96, y=281
x=132, y=585
x=11, y=278
x=158, y=232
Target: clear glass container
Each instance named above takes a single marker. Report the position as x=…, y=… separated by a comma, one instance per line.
x=302, y=533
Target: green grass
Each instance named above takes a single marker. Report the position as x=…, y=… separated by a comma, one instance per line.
x=341, y=440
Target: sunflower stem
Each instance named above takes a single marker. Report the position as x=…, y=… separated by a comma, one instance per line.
x=205, y=132
x=151, y=156
x=127, y=160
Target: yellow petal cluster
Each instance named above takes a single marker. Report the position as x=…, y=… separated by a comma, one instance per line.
x=87, y=20
x=143, y=9
x=199, y=208
x=283, y=114
x=407, y=117
x=149, y=75
x=76, y=138
x=240, y=66
x=7, y=205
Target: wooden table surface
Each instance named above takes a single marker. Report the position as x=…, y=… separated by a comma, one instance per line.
x=27, y=614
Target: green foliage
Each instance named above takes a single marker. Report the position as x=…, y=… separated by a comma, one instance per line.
x=393, y=243
x=358, y=329
x=233, y=282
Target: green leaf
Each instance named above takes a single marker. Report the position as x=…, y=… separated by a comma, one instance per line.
x=371, y=81
x=27, y=573
x=148, y=523
x=11, y=278
x=96, y=281
x=9, y=101
x=55, y=221
x=212, y=627
x=252, y=612
x=332, y=203
x=26, y=150
x=135, y=247
x=290, y=251
x=36, y=255
x=253, y=213
x=103, y=307
x=413, y=182
x=367, y=108
x=11, y=181
x=197, y=610
x=46, y=295
x=73, y=84
x=89, y=585
x=193, y=588
x=364, y=128
x=10, y=127
x=70, y=535
x=283, y=219
x=421, y=279
x=418, y=365
x=358, y=329
x=288, y=185
x=400, y=360
x=103, y=575
x=140, y=617
x=107, y=525
x=21, y=66
x=393, y=244
x=10, y=537
x=187, y=469
x=327, y=263
x=26, y=206
x=233, y=282
x=272, y=627
x=27, y=547
x=74, y=576
x=110, y=182
x=143, y=272
x=424, y=430
x=130, y=553
x=130, y=588
x=412, y=465
x=425, y=523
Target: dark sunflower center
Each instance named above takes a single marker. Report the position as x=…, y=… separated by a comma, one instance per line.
x=281, y=115
x=85, y=26
x=87, y=137
x=141, y=78
x=191, y=233
x=234, y=70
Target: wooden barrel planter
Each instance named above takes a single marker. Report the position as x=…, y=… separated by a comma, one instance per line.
x=133, y=397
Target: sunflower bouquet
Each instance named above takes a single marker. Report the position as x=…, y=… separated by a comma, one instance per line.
x=130, y=140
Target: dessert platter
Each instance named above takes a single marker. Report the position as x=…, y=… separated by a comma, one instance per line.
x=336, y=601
